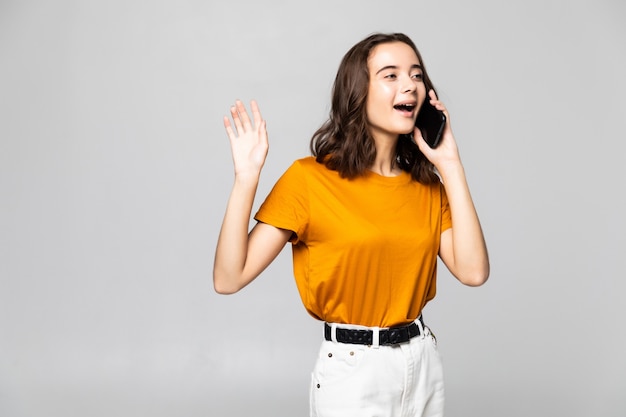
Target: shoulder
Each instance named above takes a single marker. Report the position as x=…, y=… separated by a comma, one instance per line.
x=308, y=165
x=307, y=162
x=298, y=170
x=434, y=192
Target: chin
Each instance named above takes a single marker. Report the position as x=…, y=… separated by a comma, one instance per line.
x=408, y=131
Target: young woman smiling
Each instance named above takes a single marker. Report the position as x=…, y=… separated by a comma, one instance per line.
x=366, y=215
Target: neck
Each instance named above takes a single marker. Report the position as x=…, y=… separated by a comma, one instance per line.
x=385, y=162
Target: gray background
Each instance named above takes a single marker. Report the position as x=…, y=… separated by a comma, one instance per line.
x=115, y=171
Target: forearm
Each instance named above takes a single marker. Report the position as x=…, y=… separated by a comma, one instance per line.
x=470, y=262
x=232, y=244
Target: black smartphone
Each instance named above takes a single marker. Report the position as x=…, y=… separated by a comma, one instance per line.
x=431, y=123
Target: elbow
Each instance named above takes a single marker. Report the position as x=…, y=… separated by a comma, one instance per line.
x=474, y=281
x=475, y=278
x=222, y=289
x=222, y=285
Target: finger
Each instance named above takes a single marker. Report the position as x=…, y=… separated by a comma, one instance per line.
x=433, y=98
x=436, y=102
x=439, y=106
x=243, y=115
x=235, y=115
x=256, y=113
x=262, y=137
x=229, y=128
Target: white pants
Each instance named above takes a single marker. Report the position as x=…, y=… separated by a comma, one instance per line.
x=403, y=380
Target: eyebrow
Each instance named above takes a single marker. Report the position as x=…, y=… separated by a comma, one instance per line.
x=417, y=66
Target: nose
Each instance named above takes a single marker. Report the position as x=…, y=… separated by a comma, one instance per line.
x=408, y=85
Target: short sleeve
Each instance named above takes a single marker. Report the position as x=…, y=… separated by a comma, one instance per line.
x=287, y=204
x=446, y=216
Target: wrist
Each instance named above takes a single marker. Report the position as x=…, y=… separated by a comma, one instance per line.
x=247, y=178
x=450, y=169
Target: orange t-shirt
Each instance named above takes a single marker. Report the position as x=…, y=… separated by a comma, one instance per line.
x=364, y=249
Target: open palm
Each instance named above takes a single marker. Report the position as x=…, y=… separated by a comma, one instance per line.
x=248, y=138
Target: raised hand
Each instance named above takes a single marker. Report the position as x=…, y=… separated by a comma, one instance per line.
x=241, y=255
x=248, y=139
x=447, y=151
x=462, y=247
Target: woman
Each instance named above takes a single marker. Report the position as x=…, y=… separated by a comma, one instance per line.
x=367, y=215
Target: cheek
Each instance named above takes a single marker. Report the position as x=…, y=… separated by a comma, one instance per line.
x=421, y=89
x=381, y=90
x=380, y=97
x=386, y=91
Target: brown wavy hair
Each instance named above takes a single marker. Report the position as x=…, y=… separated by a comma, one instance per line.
x=344, y=142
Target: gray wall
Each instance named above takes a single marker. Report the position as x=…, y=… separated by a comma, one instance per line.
x=115, y=170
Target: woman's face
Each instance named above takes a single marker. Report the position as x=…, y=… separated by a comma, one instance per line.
x=396, y=90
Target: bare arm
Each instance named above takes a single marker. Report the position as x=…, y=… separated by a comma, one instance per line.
x=241, y=256
x=462, y=249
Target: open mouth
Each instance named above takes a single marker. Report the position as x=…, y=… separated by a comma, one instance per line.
x=405, y=108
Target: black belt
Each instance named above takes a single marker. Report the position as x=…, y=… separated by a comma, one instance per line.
x=390, y=336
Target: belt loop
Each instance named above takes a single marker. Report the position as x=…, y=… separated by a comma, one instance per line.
x=375, y=337
x=420, y=326
x=333, y=332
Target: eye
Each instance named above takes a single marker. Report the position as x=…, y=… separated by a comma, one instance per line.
x=418, y=76
x=391, y=76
